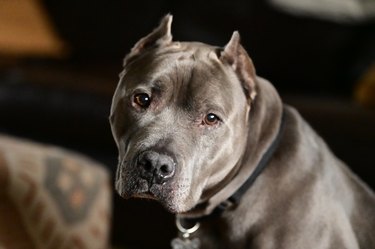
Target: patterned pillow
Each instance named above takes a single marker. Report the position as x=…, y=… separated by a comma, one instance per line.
x=51, y=198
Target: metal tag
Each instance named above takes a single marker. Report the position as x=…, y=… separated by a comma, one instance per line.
x=178, y=243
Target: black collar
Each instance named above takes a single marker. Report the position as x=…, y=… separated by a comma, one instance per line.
x=264, y=161
x=235, y=198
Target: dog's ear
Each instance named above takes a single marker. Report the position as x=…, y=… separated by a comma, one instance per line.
x=160, y=36
x=236, y=56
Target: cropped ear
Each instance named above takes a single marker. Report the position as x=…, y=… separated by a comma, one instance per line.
x=236, y=56
x=160, y=36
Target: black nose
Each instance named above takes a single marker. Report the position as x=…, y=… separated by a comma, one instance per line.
x=156, y=167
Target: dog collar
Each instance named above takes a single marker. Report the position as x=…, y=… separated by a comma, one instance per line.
x=235, y=198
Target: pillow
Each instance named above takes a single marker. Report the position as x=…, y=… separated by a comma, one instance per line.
x=51, y=198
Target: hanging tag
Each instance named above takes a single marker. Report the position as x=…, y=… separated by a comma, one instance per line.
x=178, y=243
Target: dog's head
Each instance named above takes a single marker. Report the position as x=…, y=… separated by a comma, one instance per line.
x=179, y=117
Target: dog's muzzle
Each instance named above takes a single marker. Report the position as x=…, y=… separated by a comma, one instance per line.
x=156, y=168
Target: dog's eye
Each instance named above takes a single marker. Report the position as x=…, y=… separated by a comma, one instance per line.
x=211, y=119
x=142, y=99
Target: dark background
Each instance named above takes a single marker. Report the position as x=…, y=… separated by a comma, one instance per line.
x=315, y=64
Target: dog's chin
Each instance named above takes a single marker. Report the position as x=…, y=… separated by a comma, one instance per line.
x=171, y=198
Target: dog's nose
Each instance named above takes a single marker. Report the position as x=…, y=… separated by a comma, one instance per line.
x=156, y=167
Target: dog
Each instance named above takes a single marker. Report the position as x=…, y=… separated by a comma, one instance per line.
x=198, y=131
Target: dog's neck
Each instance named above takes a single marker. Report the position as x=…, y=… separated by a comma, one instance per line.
x=264, y=130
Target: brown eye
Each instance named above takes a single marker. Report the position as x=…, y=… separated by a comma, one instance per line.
x=142, y=99
x=211, y=119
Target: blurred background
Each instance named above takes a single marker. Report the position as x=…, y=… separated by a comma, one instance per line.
x=60, y=60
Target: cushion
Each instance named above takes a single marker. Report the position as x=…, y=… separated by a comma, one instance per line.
x=51, y=198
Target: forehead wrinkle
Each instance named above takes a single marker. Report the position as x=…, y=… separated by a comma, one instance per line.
x=184, y=74
x=214, y=87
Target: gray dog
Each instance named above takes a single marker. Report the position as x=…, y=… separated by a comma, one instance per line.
x=200, y=132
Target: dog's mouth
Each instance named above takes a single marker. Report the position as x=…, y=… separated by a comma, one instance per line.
x=145, y=195
x=169, y=194
x=148, y=190
x=142, y=188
